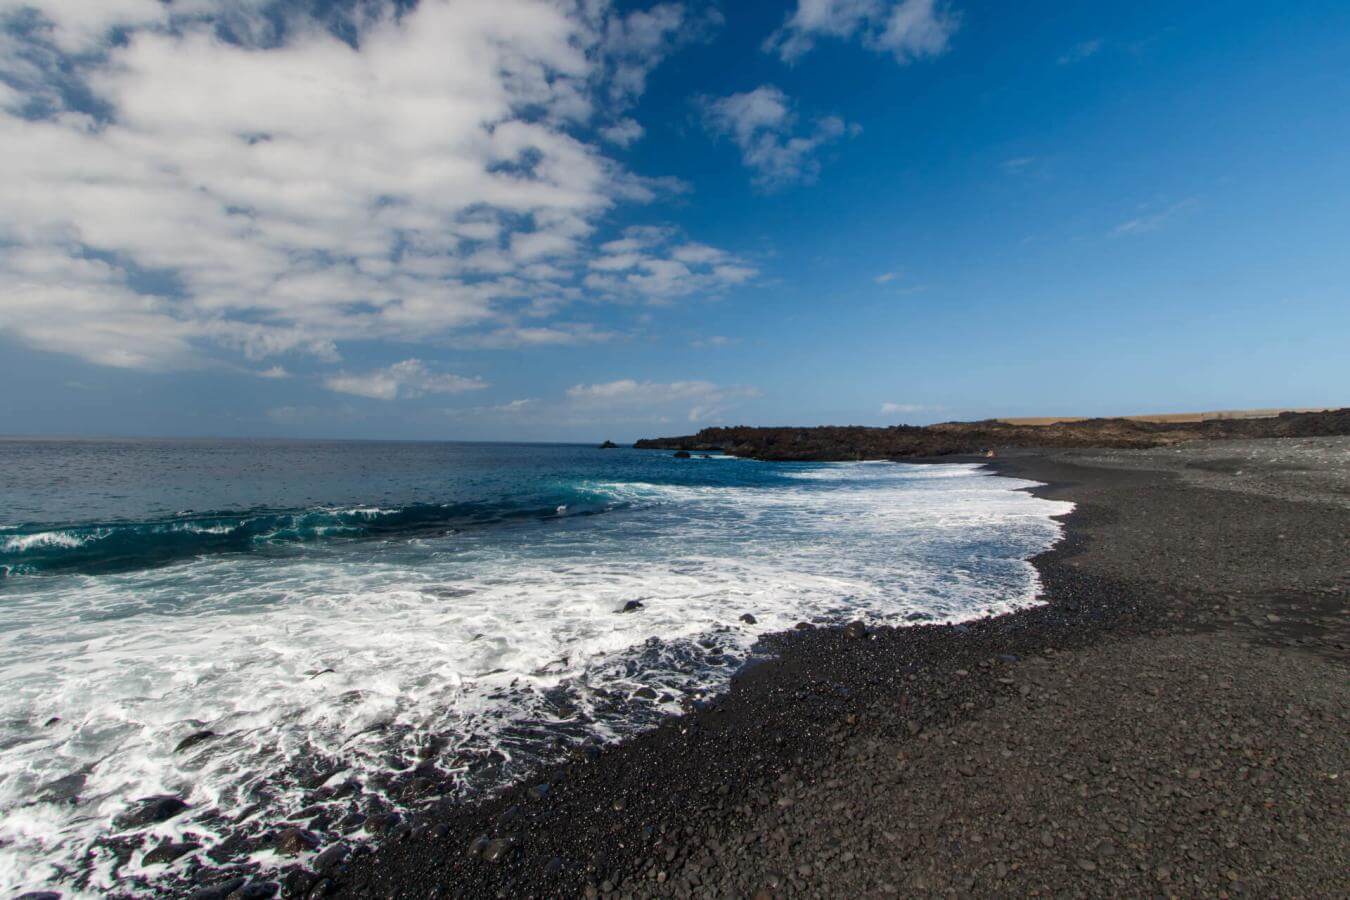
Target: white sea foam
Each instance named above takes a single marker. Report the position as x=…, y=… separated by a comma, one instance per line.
x=24, y=543
x=356, y=653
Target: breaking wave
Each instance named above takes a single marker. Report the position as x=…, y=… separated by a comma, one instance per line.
x=97, y=548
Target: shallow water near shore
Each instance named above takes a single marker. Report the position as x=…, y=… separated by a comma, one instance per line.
x=338, y=614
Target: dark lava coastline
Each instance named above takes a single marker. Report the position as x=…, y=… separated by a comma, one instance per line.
x=1170, y=722
x=856, y=442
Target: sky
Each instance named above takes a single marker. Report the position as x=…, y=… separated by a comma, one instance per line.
x=579, y=219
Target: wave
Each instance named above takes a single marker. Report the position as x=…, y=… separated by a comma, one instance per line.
x=96, y=548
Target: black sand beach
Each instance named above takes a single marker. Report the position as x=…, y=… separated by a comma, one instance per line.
x=1172, y=723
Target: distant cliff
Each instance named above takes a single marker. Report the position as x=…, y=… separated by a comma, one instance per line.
x=832, y=442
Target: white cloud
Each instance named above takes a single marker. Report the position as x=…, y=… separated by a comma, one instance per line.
x=650, y=264
x=909, y=30
x=635, y=44
x=763, y=125
x=891, y=409
x=290, y=192
x=623, y=132
x=410, y=378
x=1017, y=164
x=559, y=334
x=715, y=341
x=696, y=400
x=886, y=277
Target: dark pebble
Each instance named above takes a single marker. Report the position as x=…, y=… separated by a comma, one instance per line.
x=499, y=849
x=167, y=852
x=331, y=857
x=478, y=845
x=383, y=822
x=294, y=841
x=218, y=891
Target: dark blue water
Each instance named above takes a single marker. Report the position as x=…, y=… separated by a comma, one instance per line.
x=104, y=506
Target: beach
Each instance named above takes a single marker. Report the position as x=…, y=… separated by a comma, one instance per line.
x=1171, y=722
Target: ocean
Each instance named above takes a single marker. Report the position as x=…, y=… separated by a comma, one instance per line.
x=321, y=617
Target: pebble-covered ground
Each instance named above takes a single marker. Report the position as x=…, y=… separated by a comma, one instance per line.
x=1311, y=469
x=1172, y=723
x=1184, y=765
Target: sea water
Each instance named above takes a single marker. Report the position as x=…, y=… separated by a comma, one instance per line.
x=334, y=612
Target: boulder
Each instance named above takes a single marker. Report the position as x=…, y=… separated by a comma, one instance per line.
x=748, y=619
x=218, y=891
x=632, y=606
x=381, y=823
x=167, y=851
x=331, y=858
x=682, y=454
x=294, y=841
x=855, y=631
x=608, y=445
x=149, y=811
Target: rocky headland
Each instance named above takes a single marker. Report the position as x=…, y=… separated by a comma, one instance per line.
x=855, y=442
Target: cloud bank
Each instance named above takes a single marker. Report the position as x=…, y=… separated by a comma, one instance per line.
x=205, y=181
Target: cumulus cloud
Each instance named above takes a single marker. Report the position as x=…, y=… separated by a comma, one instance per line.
x=909, y=30
x=696, y=400
x=655, y=265
x=623, y=132
x=635, y=44
x=763, y=124
x=410, y=378
x=199, y=179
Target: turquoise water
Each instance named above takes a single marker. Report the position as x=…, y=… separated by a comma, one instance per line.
x=335, y=611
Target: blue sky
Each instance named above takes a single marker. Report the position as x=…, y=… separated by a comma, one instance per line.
x=522, y=219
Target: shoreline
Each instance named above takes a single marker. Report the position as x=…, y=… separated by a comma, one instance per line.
x=666, y=812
